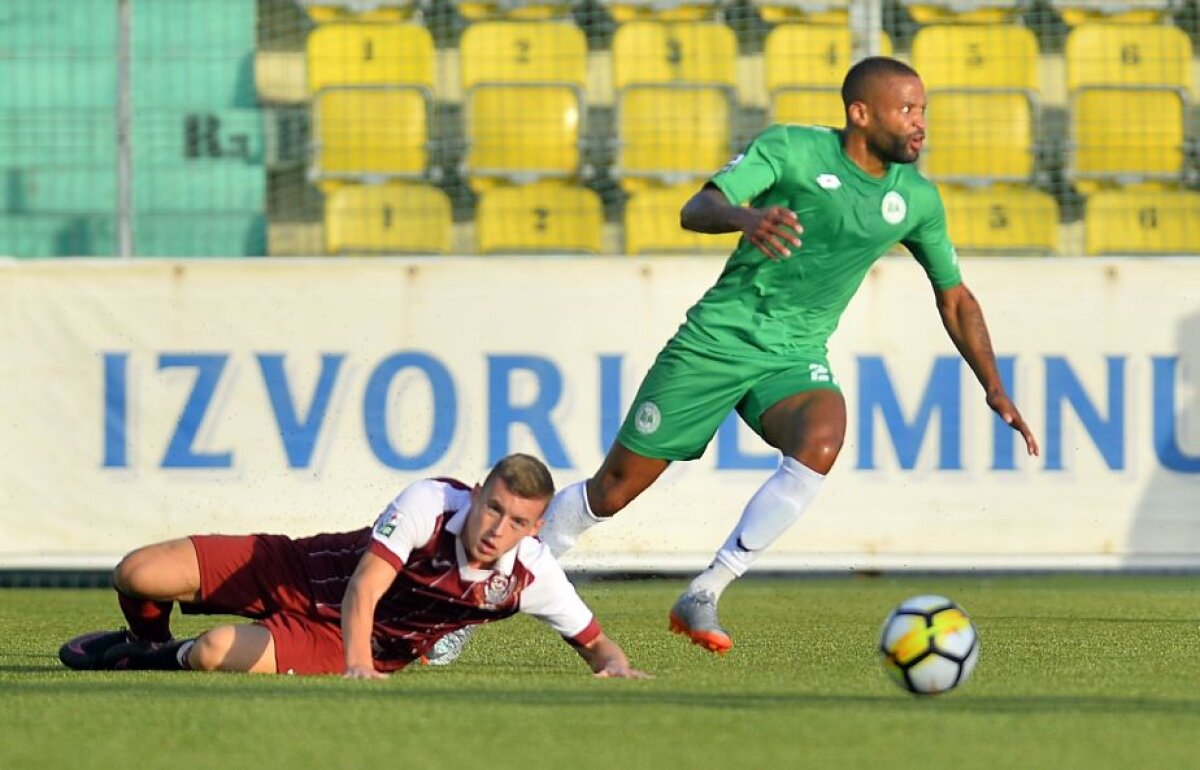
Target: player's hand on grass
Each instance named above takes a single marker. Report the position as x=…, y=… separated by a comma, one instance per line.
x=363, y=672
x=621, y=670
x=775, y=231
x=1002, y=405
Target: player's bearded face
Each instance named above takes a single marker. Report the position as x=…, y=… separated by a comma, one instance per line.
x=898, y=113
x=497, y=521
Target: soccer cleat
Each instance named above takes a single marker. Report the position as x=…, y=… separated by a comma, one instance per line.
x=86, y=652
x=447, y=649
x=695, y=616
x=143, y=656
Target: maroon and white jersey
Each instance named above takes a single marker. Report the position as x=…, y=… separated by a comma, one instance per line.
x=435, y=592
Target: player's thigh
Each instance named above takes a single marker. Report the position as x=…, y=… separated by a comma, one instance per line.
x=682, y=402
x=305, y=644
x=249, y=647
x=249, y=575
x=167, y=571
x=799, y=408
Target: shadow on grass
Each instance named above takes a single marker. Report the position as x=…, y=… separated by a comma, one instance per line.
x=1074, y=619
x=588, y=693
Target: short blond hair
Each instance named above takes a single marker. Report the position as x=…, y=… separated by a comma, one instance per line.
x=524, y=475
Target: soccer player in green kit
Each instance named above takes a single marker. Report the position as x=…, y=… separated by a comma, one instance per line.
x=756, y=341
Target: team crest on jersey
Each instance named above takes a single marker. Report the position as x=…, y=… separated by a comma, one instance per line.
x=894, y=208
x=496, y=590
x=828, y=181
x=648, y=418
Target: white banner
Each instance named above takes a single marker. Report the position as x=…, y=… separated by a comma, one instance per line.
x=152, y=399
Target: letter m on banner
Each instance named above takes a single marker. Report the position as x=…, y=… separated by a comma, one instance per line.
x=942, y=394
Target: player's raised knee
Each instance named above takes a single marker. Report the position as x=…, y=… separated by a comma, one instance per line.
x=133, y=575
x=211, y=649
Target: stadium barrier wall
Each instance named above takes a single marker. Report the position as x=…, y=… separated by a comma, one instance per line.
x=150, y=399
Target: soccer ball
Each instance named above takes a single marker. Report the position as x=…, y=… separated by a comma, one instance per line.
x=929, y=645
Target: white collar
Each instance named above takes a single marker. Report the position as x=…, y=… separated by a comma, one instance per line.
x=504, y=565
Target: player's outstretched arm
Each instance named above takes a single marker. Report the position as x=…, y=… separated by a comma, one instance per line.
x=963, y=318
x=774, y=231
x=607, y=659
x=370, y=580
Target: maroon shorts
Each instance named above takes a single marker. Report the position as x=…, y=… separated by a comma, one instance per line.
x=264, y=577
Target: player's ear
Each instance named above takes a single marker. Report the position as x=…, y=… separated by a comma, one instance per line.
x=857, y=115
x=475, y=490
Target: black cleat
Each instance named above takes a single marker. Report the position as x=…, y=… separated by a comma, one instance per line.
x=143, y=656
x=86, y=653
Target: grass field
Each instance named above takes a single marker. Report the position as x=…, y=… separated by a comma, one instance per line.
x=1075, y=672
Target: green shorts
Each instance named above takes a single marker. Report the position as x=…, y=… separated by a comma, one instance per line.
x=689, y=392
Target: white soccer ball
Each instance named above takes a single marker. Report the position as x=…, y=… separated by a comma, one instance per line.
x=929, y=645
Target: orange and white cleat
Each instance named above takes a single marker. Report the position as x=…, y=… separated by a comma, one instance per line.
x=695, y=616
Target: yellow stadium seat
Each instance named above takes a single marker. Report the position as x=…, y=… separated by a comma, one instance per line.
x=1128, y=55
x=1127, y=135
x=979, y=136
x=804, y=65
x=962, y=11
x=523, y=84
x=674, y=52
x=541, y=52
x=811, y=56
x=540, y=217
x=1077, y=12
x=387, y=218
x=671, y=132
x=1128, y=88
x=652, y=224
x=369, y=132
x=625, y=11
x=1142, y=222
x=808, y=107
x=1001, y=220
x=330, y=11
x=522, y=10
x=823, y=12
x=369, y=54
x=522, y=132
x=970, y=56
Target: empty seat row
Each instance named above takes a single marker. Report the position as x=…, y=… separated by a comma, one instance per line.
x=1073, y=12
x=532, y=218
x=524, y=108
x=550, y=217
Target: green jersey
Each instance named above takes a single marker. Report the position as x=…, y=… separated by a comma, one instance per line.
x=850, y=220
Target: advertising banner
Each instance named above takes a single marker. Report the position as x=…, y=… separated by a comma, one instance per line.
x=147, y=400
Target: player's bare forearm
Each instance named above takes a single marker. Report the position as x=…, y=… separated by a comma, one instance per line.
x=708, y=211
x=963, y=318
x=607, y=659
x=370, y=580
x=774, y=230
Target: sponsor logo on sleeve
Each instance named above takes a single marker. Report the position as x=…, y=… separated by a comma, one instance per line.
x=733, y=162
x=386, y=524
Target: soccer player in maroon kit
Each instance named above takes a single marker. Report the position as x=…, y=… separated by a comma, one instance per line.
x=442, y=556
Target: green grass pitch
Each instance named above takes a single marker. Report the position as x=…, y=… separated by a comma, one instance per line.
x=1075, y=672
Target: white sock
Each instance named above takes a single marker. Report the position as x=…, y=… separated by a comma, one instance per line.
x=181, y=655
x=567, y=517
x=773, y=509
